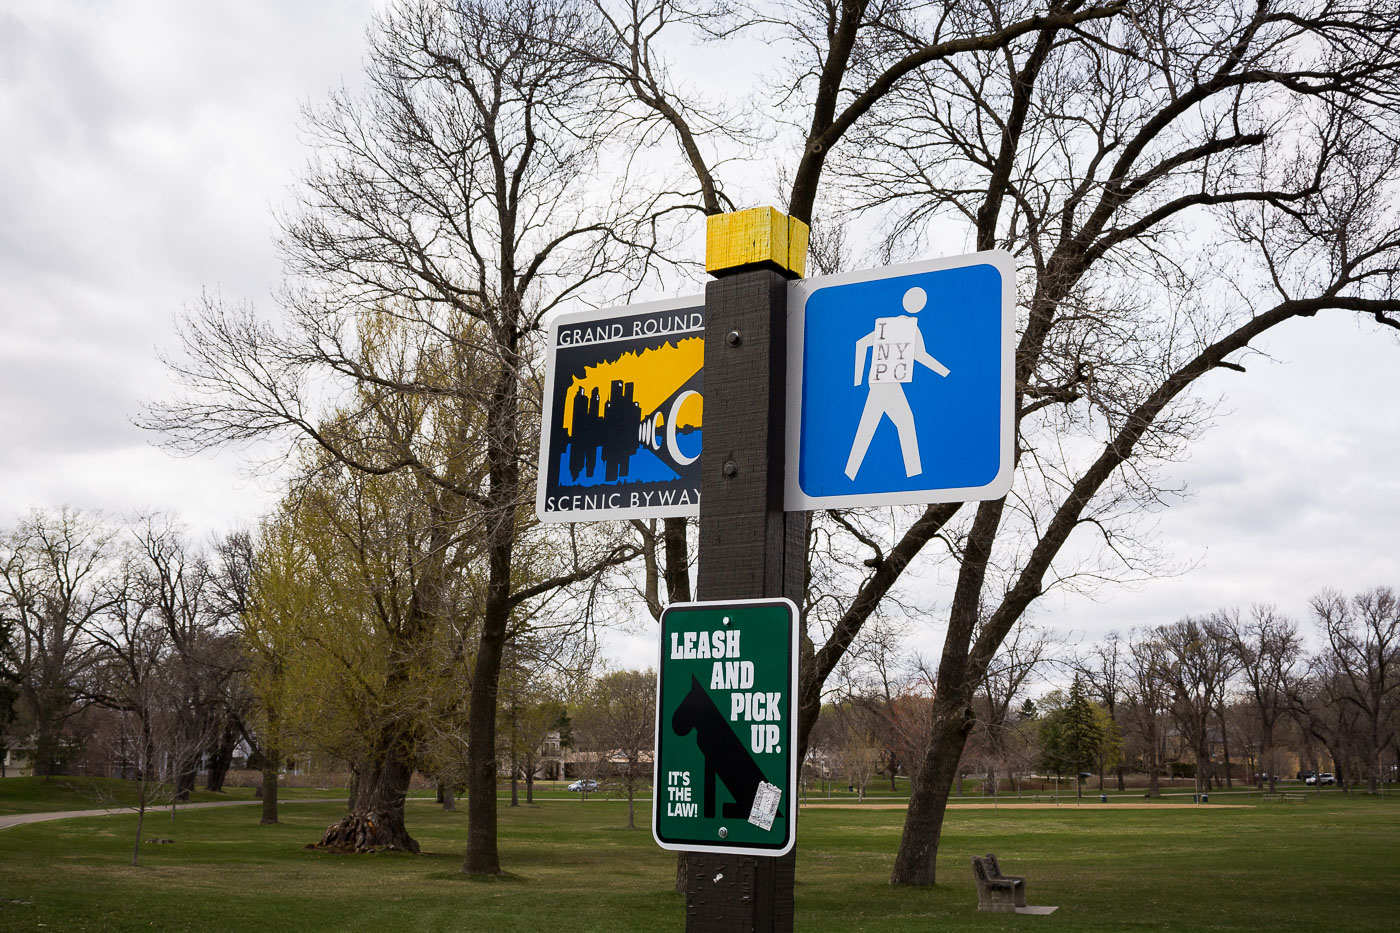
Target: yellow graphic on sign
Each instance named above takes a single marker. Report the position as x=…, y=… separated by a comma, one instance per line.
x=653, y=376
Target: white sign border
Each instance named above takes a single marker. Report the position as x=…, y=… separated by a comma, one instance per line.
x=547, y=413
x=794, y=498
x=794, y=620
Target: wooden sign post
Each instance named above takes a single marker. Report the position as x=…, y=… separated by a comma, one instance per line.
x=749, y=547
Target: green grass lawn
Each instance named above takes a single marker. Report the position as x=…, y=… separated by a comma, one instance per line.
x=1332, y=864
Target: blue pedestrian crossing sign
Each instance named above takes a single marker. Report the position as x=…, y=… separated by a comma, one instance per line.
x=900, y=384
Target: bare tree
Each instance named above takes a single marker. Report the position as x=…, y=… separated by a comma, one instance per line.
x=444, y=216
x=140, y=675
x=1360, y=667
x=1146, y=700
x=545, y=662
x=858, y=751
x=1174, y=182
x=1021, y=660
x=1197, y=665
x=178, y=585
x=883, y=692
x=618, y=722
x=1103, y=676
x=52, y=570
x=1268, y=651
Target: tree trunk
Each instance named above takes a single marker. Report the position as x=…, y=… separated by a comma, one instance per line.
x=915, y=862
x=185, y=780
x=483, y=857
x=269, y=793
x=140, y=820
x=1121, y=786
x=223, y=760
x=514, y=785
x=45, y=749
x=449, y=795
x=376, y=818
x=1225, y=747
x=1375, y=762
x=530, y=786
x=503, y=472
x=677, y=560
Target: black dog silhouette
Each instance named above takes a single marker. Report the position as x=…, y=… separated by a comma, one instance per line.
x=724, y=754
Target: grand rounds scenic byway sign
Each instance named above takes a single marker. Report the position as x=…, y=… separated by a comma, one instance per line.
x=622, y=413
x=726, y=763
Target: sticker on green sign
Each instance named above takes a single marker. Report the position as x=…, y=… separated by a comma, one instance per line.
x=726, y=728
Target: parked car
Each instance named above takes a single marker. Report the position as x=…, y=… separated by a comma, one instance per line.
x=1325, y=777
x=585, y=785
x=1307, y=776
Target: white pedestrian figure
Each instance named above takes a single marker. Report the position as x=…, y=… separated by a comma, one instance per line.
x=896, y=346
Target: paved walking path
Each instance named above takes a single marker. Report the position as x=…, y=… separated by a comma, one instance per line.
x=1063, y=805
x=16, y=819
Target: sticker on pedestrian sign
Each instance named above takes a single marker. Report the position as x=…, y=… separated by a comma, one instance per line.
x=900, y=384
x=765, y=805
x=726, y=757
x=623, y=411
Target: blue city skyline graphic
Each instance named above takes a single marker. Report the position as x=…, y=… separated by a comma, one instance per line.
x=949, y=397
x=643, y=466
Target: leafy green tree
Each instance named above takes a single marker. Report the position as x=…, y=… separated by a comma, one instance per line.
x=355, y=622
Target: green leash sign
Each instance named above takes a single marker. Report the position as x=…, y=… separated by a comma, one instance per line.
x=726, y=728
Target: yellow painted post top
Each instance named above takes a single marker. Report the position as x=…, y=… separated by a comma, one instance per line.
x=761, y=236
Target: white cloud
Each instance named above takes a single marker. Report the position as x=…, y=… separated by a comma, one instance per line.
x=146, y=143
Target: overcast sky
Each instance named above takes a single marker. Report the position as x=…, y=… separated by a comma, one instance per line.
x=146, y=142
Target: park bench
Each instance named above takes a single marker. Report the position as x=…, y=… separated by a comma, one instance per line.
x=996, y=891
x=1272, y=798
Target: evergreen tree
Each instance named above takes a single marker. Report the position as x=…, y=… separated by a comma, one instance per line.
x=1071, y=736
